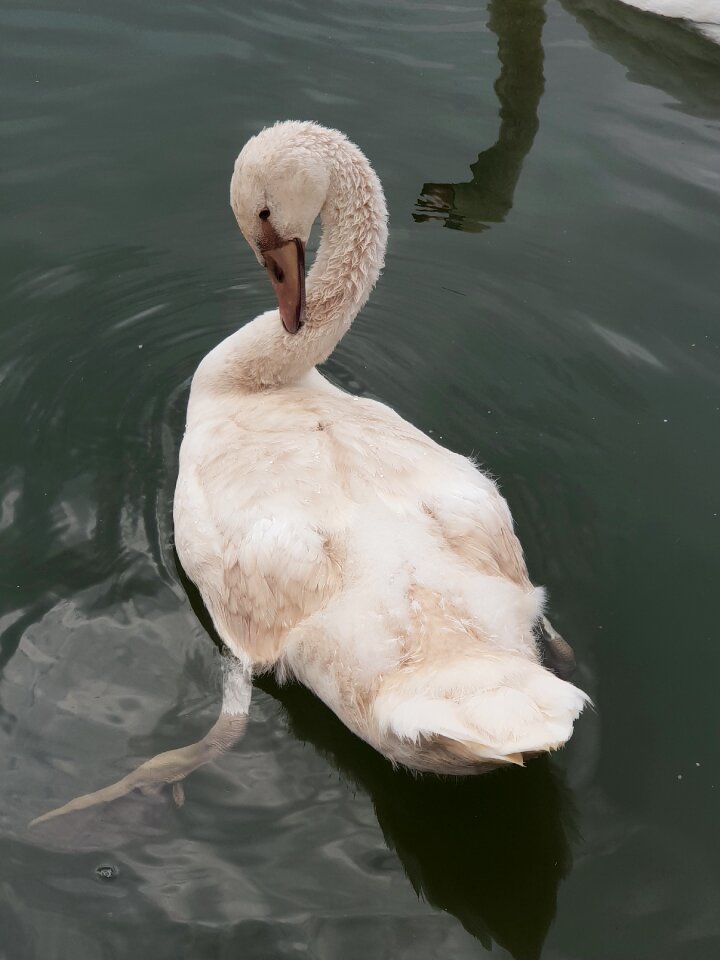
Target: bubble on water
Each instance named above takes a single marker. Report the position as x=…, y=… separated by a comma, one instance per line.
x=106, y=871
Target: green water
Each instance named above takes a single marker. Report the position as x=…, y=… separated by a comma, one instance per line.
x=550, y=304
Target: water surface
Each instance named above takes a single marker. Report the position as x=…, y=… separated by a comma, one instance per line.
x=550, y=304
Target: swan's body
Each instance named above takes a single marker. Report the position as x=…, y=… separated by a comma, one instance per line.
x=701, y=15
x=331, y=540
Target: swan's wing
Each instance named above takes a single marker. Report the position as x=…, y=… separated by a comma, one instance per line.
x=249, y=535
x=476, y=523
x=466, y=508
x=276, y=571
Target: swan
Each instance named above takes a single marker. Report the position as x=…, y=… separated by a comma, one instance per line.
x=333, y=542
x=700, y=15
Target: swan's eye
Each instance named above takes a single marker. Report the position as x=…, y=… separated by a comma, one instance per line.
x=264, y=213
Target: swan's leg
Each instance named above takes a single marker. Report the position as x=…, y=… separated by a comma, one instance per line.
x=174, y=765
x=557, y=654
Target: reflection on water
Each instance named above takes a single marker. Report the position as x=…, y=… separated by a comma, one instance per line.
x=95, y=511
x=490, y=850
x=575, y=351
x=488, y=197
x=656, y=51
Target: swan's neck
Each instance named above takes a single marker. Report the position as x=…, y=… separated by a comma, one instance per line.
x=348, y=263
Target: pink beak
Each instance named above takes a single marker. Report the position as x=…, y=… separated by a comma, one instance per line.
x=285, y=265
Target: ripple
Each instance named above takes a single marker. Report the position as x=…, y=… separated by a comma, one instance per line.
x=563, y=330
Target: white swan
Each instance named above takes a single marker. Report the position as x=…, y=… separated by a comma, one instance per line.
x=700, y=15
x=331, y=540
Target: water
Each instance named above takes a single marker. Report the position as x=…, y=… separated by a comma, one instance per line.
x=550, y=304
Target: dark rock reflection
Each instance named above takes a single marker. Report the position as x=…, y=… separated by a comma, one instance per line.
x=488, y=197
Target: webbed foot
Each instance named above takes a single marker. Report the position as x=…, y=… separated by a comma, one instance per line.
x=557, y=654
x=173, y=766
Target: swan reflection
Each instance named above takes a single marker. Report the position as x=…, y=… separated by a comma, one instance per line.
x=490, y=850
x=657, y=52
x=488, y=197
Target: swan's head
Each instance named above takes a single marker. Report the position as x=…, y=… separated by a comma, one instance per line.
x=278, y=188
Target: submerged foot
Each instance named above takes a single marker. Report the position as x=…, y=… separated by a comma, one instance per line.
x=557, y=654
x=166, y=768
x=173, y=766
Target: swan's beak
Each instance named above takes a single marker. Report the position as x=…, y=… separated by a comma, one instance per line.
x=286, y=268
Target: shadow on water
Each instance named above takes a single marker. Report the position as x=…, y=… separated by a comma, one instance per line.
x=657, y=52
x=488, y=197
x=489, y=850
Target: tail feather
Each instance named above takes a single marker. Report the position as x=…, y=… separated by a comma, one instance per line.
x=499, y=707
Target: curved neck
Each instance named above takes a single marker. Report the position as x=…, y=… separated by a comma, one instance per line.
x=346, y=268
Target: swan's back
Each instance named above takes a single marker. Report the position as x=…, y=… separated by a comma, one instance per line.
x=379, y=569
